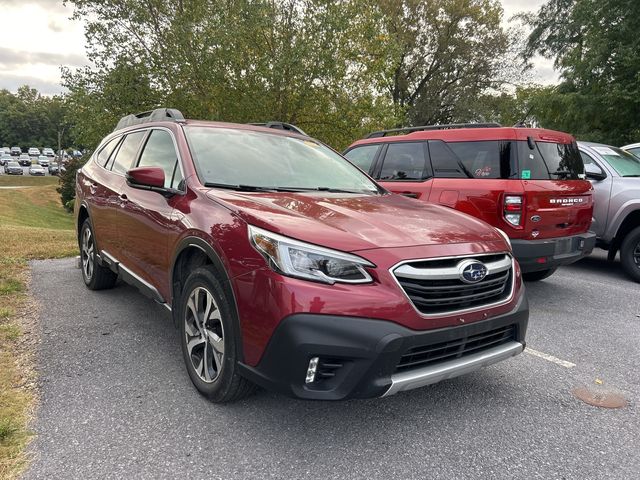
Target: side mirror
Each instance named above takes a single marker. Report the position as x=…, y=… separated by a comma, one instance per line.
x=595, y=176
x=147, y=178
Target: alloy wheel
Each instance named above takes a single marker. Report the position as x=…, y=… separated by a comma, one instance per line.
x=88, y=253
x=636, y=255
x=204, y=334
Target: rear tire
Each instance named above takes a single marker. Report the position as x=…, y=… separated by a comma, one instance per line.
x=630, y=254
x=95, y=276
x=539, y=275
x=208, y=333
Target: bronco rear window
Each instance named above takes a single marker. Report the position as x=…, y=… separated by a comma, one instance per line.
x=550, y=161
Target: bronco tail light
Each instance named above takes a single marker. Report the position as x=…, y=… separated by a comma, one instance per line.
x=513, y=209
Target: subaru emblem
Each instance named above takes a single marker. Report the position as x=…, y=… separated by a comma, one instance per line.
x=472, y=271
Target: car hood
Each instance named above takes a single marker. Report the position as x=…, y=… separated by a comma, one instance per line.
x=352, y=222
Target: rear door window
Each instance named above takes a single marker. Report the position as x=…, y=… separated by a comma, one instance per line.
x=486, y=159
x=159, y=151
x=635, y=151
x=126, y=154
x=363, y=156
x=405, y=161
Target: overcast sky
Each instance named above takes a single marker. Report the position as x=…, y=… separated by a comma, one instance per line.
x=37, y=37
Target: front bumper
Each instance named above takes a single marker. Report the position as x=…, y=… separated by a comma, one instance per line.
x=536, y=255
x=368, y=352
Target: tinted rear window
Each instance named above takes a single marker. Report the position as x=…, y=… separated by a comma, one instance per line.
x=561, y=161
x=485, y=159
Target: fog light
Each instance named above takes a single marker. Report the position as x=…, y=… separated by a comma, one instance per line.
x=311, y=371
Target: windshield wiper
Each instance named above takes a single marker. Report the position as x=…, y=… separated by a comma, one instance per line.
x=632, y=175
x=330, y=189
x=256, y=188
x=239, y=187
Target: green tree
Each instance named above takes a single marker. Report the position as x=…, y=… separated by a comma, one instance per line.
x=442, y=55
x=31, y=120
x=298, y=61
x=595, y=45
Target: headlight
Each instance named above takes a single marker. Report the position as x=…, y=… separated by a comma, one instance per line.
x=505, y=236
x=303, y=260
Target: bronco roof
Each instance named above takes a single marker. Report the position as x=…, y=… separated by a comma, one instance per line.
x=475, y=134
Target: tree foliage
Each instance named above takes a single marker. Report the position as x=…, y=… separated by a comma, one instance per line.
x=444, y=53
x=595, y=45
x=29, y=119
x=338, y=69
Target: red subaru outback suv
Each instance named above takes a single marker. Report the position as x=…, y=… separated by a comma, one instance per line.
x=527, y=182
x=285, y=266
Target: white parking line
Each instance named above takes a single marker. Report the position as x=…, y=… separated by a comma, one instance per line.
x=550, y=358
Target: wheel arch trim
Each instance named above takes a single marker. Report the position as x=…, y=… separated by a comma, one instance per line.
x=193, y=241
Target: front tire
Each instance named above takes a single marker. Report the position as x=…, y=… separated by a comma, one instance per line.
x=95, y=276
x=630, y=254
x=208, y=335
x=539, y=275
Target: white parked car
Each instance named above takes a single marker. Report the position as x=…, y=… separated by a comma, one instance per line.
x=36, y=170
x=48, y=152
x=43, y=161
x=34, y=152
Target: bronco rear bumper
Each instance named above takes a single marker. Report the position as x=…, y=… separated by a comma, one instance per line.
x=536, y=255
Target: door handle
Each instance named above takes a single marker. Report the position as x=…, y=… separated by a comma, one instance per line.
x=409, y=194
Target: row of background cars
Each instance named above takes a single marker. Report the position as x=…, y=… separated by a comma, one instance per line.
x=43, y=160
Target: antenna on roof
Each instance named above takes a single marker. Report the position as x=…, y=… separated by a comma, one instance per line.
x=521, y=124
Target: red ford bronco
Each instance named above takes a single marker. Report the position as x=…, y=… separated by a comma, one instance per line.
x=528, y=182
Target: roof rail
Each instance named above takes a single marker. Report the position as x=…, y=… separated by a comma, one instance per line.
x=281, y=126
x=157, y=115
x=449, y=126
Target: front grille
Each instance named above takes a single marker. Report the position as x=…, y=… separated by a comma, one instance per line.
x=435, y=287
x=422, y=356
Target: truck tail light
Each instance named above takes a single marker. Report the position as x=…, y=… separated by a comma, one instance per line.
x=513, y=209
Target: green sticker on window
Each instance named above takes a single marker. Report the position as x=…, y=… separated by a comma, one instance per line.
x=526, y=174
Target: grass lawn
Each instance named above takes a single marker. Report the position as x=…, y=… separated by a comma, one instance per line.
x=33, y=225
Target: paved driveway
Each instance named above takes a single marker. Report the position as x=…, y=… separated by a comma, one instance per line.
x=117, y=403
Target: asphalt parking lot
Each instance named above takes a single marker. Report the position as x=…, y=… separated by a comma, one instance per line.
x=116, y=401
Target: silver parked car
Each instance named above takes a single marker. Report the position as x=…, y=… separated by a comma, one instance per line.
x=13, y=168
x=36, y=170
x=615, y=175
x=43, y=161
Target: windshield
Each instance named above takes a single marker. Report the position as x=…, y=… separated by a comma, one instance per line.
x=626, y=164
x=228, y=157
